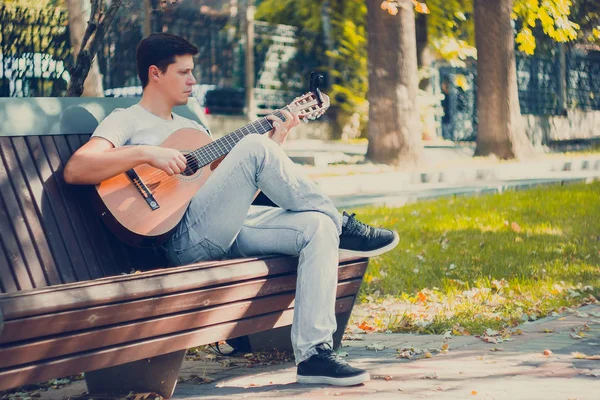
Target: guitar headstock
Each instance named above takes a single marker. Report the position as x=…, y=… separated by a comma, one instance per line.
x=310, y=105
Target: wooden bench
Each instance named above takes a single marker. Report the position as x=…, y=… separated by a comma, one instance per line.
x=68, y=298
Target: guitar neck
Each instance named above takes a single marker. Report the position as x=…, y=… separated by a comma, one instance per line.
x=220, y=147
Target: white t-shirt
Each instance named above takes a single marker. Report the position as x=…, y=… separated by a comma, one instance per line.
x=135, y=125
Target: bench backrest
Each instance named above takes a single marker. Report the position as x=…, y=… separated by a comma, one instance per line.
x=49, y=234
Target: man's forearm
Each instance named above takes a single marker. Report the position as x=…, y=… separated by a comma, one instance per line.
x=93, y=168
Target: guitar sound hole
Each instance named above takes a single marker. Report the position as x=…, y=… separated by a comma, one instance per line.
x=191, y=165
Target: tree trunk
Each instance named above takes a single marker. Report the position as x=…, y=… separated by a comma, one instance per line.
x=78, y=18
x=394, y=128
x=500, y=130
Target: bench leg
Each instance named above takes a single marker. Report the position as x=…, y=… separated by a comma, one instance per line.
x=342, y=321
x=157, y=374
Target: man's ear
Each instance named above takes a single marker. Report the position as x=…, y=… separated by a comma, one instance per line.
x=153, y=72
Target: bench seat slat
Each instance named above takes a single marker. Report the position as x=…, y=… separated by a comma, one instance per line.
x=108, y=336
x=121, y=354
x=140, y=286
x=94, y=317
x=344, y=259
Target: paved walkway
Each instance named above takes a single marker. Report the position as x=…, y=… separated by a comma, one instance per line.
x=517, y=369
x=446, y=170
x=470, y=369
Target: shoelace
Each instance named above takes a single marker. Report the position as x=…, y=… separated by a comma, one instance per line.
x=328, y=354
x=355, y=227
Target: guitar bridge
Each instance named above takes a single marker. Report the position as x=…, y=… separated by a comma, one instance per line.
x=143, y=189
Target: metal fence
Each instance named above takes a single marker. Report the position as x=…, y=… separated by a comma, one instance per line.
x=583, y=81
x=35, y=52
x=539, y=84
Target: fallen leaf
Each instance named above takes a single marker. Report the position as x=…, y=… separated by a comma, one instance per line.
x=515, y=227
x=577, y=335
x=473, y=392
x=365, y=327
x=432, y=375
x=582, y=356
x=376, y=347
x=428, y=354
x=548, y=330
x=496, y=349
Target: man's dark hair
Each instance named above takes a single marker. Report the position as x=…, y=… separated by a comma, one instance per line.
x=160, y=49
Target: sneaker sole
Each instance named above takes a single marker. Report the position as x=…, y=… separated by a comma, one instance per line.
x=327, y=380
x=373, y=253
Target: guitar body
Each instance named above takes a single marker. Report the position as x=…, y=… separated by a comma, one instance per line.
x=126, y=209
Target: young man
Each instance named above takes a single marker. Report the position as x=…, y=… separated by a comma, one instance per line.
x=220, y=221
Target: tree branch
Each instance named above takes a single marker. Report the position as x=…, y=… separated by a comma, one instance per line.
x=94, y=35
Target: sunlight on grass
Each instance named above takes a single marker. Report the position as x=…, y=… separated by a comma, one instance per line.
x=489, y=261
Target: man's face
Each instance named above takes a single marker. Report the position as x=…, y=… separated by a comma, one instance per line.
x=177, y=81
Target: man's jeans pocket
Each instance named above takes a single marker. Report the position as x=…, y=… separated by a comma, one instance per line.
x=203, y=251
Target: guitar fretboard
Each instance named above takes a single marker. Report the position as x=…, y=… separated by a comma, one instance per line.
x=209, y=153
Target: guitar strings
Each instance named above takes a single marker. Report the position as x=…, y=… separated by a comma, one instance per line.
x=193, y=163
x=226, y=140
x=196, y=160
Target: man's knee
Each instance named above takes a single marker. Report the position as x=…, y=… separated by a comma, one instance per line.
x=258, y=145
x=321, y=227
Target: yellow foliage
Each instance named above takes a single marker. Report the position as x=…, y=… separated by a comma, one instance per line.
x=450, y=25
x=461, y=81
x=526, y=41
x=553, y=17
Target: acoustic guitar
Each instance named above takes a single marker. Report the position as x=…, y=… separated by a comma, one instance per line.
x=143, y=206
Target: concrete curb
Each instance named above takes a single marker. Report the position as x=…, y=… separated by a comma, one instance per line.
x=402, y=186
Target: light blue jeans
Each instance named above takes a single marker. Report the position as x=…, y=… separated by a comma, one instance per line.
x=221, y=223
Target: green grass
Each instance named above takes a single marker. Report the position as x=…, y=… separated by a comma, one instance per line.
x=493, y=261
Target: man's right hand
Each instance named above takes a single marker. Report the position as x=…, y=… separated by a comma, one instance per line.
x=170, y=161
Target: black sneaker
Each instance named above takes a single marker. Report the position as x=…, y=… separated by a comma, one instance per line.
x=361, y=239
x=326, y=367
